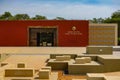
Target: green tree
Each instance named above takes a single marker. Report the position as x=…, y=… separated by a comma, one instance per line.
x=108, y=20
x=118, y=38
x=94, y=20
x=59, y=18
x=116, y=14
x=115, y=18
x=6, y=16
x=21, y=17
x=39, y=17
x=97, y=20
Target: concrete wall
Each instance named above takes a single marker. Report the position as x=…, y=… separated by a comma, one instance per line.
x=103, y=34
x=101, y=50
x=58, y=65
x=110, y=64
x=53, y=56
x=83, y=69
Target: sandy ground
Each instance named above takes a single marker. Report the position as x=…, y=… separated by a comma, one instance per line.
x=31, y=61
x=113, y=74
x=43, y=50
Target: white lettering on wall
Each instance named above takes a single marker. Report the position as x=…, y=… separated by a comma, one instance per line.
x=73, y=33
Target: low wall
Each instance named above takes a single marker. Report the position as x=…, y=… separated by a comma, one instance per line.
x=83, y=69
x=93, y=57
x=110, y=64
x=116, y=48
x=53, y=56
x=59, y=65
x=19, y=72
x=101, y=50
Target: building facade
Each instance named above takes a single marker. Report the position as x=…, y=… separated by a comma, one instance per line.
x=62, y=33
x=67, y=33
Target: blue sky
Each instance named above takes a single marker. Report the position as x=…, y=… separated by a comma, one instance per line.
x=69, y=9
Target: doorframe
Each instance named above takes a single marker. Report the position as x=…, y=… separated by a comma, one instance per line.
x=50, y=27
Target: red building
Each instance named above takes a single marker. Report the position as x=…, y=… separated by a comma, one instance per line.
x=44, y=33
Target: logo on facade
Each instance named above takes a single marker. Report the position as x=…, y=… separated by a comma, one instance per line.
x=74, y=31
x=73, y=28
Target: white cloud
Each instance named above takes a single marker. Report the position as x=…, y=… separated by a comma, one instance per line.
x=69, y=11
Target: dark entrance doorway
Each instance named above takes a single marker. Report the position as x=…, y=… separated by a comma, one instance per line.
x=43, y=37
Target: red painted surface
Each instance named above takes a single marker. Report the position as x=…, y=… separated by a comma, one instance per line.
x=15, y=33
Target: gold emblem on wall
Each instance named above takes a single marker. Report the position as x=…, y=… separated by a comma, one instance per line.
x=73, y=31
x=73, y=28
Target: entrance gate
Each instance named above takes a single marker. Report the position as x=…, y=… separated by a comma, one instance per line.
x=43, y=37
